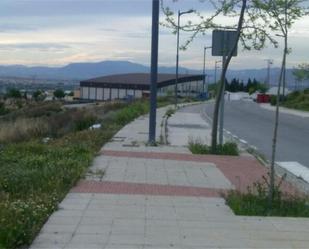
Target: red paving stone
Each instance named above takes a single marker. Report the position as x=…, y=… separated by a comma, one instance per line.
x=241, y=171
x=143, y=189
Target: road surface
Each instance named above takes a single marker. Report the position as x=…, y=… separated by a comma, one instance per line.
x=254, y=124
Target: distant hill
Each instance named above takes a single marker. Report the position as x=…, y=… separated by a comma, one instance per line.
x=80, y=71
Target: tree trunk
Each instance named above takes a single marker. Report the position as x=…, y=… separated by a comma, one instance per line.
x=222, y=80
x=274, y=144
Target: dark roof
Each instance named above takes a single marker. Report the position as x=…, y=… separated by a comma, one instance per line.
x=139, y=81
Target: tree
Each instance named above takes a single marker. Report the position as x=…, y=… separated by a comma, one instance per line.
x=301, y=73
x=251, y=32
x=13, y=93
x=281, y=15
x=59, y=94
x=38, y=95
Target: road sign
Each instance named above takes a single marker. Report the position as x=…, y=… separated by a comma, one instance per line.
x=223, y=40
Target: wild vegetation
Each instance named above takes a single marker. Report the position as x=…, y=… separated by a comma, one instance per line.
x=255, y=202
x=298, y=100
x=228, y=148
x=44, y=150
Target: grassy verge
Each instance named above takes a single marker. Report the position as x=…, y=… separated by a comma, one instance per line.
x=255, y=203
x=298, y=100
x=36, y=175
x=197, y=147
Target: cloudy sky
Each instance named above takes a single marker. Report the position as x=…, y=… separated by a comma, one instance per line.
x=58, y=32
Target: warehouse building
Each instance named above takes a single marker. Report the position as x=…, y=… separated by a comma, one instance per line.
x=137, y=85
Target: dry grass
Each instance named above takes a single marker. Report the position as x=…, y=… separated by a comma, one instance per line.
x=22, y=129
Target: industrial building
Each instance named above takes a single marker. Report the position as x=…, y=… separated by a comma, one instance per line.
x=137, y=85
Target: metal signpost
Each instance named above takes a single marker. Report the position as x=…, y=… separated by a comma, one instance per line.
x=154, y=71
x=223, y=42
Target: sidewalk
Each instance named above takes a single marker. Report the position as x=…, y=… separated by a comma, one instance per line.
x=302, y=114
x=163, y=197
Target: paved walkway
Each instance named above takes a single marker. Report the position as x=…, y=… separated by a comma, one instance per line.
x=163, y=197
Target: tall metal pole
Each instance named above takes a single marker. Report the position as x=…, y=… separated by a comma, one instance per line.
x=177, y=53
x=205, y=88
x=177, y=61
x=269, y=63
x=204, y=70
x=154, y=71
x=221, y=124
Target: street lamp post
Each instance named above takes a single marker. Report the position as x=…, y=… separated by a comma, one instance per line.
x=204, y=70
x=177, y=53
x=154, y=71
x=216, y=67
x=269, y=63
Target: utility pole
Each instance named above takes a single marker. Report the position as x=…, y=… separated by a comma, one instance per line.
x=221, y=124
x=204, y=72
x=154, y=71
x=269, y=63
x=177, y=53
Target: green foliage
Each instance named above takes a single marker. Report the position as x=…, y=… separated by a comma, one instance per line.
x=38, y=95
x=84, y=122
x=198, y=147
x=129, y=113
x=273, y=100
x=3, y=109
x=169, y=112
x=35, y=176
x=297, y=100
x=13, y=93
x=255, y=202
x=59, y=94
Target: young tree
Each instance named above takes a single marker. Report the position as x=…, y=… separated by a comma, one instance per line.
x=301, y=73
x=251, y=32
x=59, y=94
x=281, y=15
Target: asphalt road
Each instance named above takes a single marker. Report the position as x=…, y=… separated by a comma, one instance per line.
x=250, y=122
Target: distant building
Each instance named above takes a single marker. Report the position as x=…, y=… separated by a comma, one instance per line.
x=274, y=91
x=137, y=85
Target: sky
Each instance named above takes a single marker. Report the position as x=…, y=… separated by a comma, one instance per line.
x=59, y=32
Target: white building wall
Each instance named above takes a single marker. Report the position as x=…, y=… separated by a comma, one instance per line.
x=92, y=93
x=122, y=93
x=100, y=93
x=114, y=93
x=84, y=92
x=130, y=92
x=106, y=93
x=138, y=94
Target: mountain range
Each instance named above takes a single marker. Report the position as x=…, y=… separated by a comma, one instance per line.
x=86, y=70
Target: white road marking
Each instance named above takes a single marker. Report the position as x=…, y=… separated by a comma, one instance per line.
x=296, y=169
x=243, y=141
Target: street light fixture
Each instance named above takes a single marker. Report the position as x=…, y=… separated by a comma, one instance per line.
x=177, y=53
x=204, y=70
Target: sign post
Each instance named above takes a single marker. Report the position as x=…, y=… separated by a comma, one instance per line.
x=223, y=42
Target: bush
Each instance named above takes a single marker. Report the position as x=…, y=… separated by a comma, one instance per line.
x=169, y=112
x=13, y=93
x=255, y=202
x=3, y=110
x=59, y=94
x=131, y=112
x=197, y=147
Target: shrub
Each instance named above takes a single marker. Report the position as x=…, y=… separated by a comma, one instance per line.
x=273, y=100
x=3, y=110
x=131, y=112
x=169, y=112
x=13, y=93
x=255, y=202
x=59, y=94
x=197, y=147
